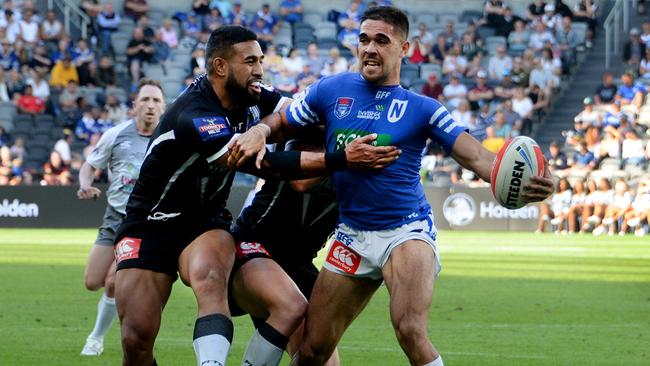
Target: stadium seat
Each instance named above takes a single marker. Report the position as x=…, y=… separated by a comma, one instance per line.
x=38, y=153
x=303, y=28
x=154, y=72
x=312, y=17
x=468, y=16
x=485, y=32
x=41, y=119
x=410, y=72
x=610, y=164
x=325, y=30
x=7, y=124
x=581, y=31
x=443, y=18
x=428, y=69
x=157, y=16
x=416, y=85
x=24, y=120
x=328, y=43
x=171, y=88
x=405, y=83
x=119, y=43
x=428, y=19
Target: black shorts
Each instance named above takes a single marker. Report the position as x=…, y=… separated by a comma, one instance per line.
x=156, y=246
x=302, y=271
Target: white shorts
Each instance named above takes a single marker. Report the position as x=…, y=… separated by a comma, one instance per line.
x=359, y=253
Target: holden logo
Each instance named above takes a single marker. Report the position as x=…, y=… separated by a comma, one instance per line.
x=459, y=209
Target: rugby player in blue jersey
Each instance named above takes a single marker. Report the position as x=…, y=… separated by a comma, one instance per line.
x=386, y=229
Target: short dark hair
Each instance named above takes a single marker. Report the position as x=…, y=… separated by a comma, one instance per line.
x=221, y=41
x=390, y=15
x=144, y=82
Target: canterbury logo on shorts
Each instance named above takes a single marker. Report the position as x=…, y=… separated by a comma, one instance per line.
x=245, y=248
x=127, y=248
x=343, y=258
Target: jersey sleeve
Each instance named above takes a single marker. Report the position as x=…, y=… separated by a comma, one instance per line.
x=304, y=110
x=441, y=127
x=101, y=154
x=270, y=101
x=207, y=133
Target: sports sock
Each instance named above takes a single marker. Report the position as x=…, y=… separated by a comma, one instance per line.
x=212, y=338
x=105, y=314
x=436, y=362
x=265, y=347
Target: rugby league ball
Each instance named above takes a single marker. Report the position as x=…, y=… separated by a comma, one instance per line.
x=518, y=160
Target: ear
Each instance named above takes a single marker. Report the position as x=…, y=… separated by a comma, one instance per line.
x=405, y=47
x=220, y=67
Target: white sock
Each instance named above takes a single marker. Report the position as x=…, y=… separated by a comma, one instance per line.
x=105, y=314
x=212, y=338
x=436, y=362
x=265, y=347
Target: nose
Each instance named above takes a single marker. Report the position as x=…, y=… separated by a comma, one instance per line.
x=370, y=49
x=258, y=70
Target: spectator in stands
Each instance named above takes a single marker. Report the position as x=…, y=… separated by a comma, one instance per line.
x=512, y=118
x=51, y=29
x=18, y=148
x=69, y=96
x=558, y=207
x=493, y=11
x=4, y=137
x=117, y=111
x=29, y=29
x=272, y=61
x=40, y=87
x=64, y=47
x=55, y=172
x=169, y=33
x=340, y=63
x=543, y=78
x=83, y=57
x=634, y=49
x=92, y=8
x=306, y=77
x=508, y=23
x=270, y=19
x=630, y=92
x=567, y=42
x=237, y=16
x=535, y=11
x=63, y=146
x=439, y=50
x=264, y=32
x=587, y=117
x=632, y=149
x=617, y=208
x=313, y=59
x=553, y=64
x=557, y=160
x=610, y=145
x=519, y=38
x=523, y=105
x=551, y=19
x=474, y=66
x=449, y=33
x=540, y=38
x=291, y=11
x=644, y=66
x=583, y=160
x=481, y=93
x=639, y=213
x=108, y=22
x=454, y=61
x=7, y=168
x=12, y=26
x=4, y=89
x=607, y=91
x=614, y=116
x=8, y=58
x=139, y=50
x=41, y=61
x=520, y=76
x=15, y=84
x=285, y=82
x=147, y=30
x=351, y=17
x=21, y=53
x=462, y=115
x=645, y=33
x=576, y=206
x=470, y=47
x=94, y=139
x=134, y=9
x=349, y=38
x=29, y=104
x=499, y=64
x=505, y=90
x=198, y=61
x=224, y=6
x=192, y=26
x=105, y=74
x=432, y=88
x=63, y=72
x=162, y=52
x=293, y=63
x=213, y=20
x=454, y=92
x=479, y=124
x=492, y=142
x=585, y=12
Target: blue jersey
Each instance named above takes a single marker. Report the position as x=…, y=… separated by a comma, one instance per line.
x=350, y=107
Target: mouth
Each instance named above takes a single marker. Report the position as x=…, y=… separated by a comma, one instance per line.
x=255, y=86
x=371, y=65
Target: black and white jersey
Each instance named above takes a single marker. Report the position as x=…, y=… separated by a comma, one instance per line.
x=179, y=178
x=291, y=225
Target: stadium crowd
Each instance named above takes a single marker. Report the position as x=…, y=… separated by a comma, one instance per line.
x=496, y=70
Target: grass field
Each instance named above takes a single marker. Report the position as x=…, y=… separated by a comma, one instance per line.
x=502, y=299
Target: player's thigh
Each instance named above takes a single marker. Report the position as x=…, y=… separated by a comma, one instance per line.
x=100, y=259
x=261, y=286
x=205, y=265
x=335, y=302
x=140, y=296
x=409, y=274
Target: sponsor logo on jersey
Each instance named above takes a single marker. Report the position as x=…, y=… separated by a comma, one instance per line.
x=380, y=107
x=343, y=258
x=161, y=216
x=459, y=209
x=382, y=94
x=210, y=128
x=344, y=136
x=369, y=115
x=127, y=248
x=245, y=248
x=343, y=107
x=16, y=208
x=396, y=110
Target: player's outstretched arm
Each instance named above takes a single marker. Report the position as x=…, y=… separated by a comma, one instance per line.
x=469, y=153
x=86, y=178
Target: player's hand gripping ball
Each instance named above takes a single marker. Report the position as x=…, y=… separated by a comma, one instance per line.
x=518, y=160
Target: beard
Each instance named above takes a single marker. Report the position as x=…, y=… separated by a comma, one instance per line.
x=241, y=94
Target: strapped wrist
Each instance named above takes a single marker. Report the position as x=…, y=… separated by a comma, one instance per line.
x=336, y=160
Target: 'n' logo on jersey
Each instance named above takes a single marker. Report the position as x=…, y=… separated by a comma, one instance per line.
x=343, y=107
x=396, y=110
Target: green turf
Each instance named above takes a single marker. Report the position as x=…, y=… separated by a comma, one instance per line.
x=502, y=299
